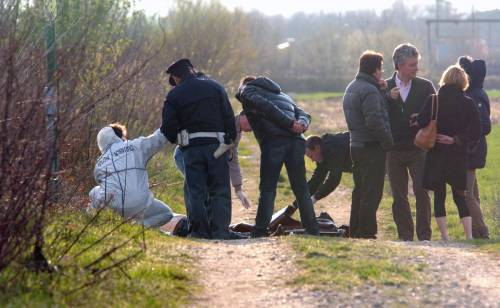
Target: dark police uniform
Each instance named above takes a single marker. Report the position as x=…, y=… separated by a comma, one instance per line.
x=201, y=106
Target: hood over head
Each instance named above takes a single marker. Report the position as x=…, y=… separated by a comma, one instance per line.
x=477, y=74
x=106, y=137
x=266, y=84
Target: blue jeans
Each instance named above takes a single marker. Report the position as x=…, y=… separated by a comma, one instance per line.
x=274, y=154
x=179, y=163
x=207, y=176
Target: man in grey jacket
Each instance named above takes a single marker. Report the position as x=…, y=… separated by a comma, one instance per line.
x=368, y=123
x=123, y=178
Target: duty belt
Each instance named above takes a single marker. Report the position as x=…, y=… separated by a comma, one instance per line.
x=219, y=136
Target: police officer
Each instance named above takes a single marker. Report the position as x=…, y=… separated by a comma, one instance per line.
x=198, y=117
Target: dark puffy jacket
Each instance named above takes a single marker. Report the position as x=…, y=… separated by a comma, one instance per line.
x=270, y=112
x=478, y=151
x=336, y=159
x=198, y=104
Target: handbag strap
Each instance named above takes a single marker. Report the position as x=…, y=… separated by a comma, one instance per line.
x=435, y=107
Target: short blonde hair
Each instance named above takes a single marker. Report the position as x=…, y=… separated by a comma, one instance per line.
x=455, y=75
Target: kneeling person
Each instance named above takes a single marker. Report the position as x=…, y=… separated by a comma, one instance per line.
x=123, y=178
x=332, y=156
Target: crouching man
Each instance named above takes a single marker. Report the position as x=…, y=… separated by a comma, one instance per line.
x=123, y=178
x=332, y=156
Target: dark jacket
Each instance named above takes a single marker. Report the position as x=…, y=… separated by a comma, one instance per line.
x=478, y=151
x=198, y=104
x=400, y=112
x=365, y=112
x=336, y=159
x=270, y=112
x=458, y=117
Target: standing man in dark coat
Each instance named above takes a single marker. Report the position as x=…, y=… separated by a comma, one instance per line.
x=407, y=96
x=280, y=138
x=368, y=123
x=198, y=117
x=332, y=156
x=476, y=70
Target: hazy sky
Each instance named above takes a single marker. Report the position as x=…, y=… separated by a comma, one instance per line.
x=289, y=7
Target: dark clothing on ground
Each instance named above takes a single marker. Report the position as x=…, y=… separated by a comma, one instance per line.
x=368, y=174
x=336, y=159
x=399, y=165
x=278, y=145
x=458, y=117
x=400, y=111
x=270, y=112
x=275, y=153
x=365, y=113
x=440, y=199
x=207, y=177
x=198, y=104
x=478, y=151
x=405, y=158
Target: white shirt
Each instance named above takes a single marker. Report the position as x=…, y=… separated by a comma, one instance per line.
x=404, y=89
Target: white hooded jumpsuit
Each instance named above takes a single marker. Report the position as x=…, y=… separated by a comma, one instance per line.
x=122, y=176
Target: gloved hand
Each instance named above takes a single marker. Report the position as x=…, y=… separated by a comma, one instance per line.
x=222, y=149
x=243, y=198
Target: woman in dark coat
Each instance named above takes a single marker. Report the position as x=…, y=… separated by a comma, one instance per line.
x=458, y=125
x=476, y=69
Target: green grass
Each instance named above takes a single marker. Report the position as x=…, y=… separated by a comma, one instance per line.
x=493, y=94
x=320, y=96
x=162, y=170
x=317, y=96
x=160, y=276
x=488, y=180
x=339, y=263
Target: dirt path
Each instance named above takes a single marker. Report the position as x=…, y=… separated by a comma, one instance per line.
x=250, y=273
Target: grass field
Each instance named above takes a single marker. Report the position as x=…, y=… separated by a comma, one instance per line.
x=160, y=276
x=342, y=263
x=319, y=96
x=493, y=94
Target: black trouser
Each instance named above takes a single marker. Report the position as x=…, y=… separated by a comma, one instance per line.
x=440, y=199
x=368, y=174
x=207, y=176
x=274, y=154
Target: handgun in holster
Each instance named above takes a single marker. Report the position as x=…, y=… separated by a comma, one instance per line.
x=183, y=138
